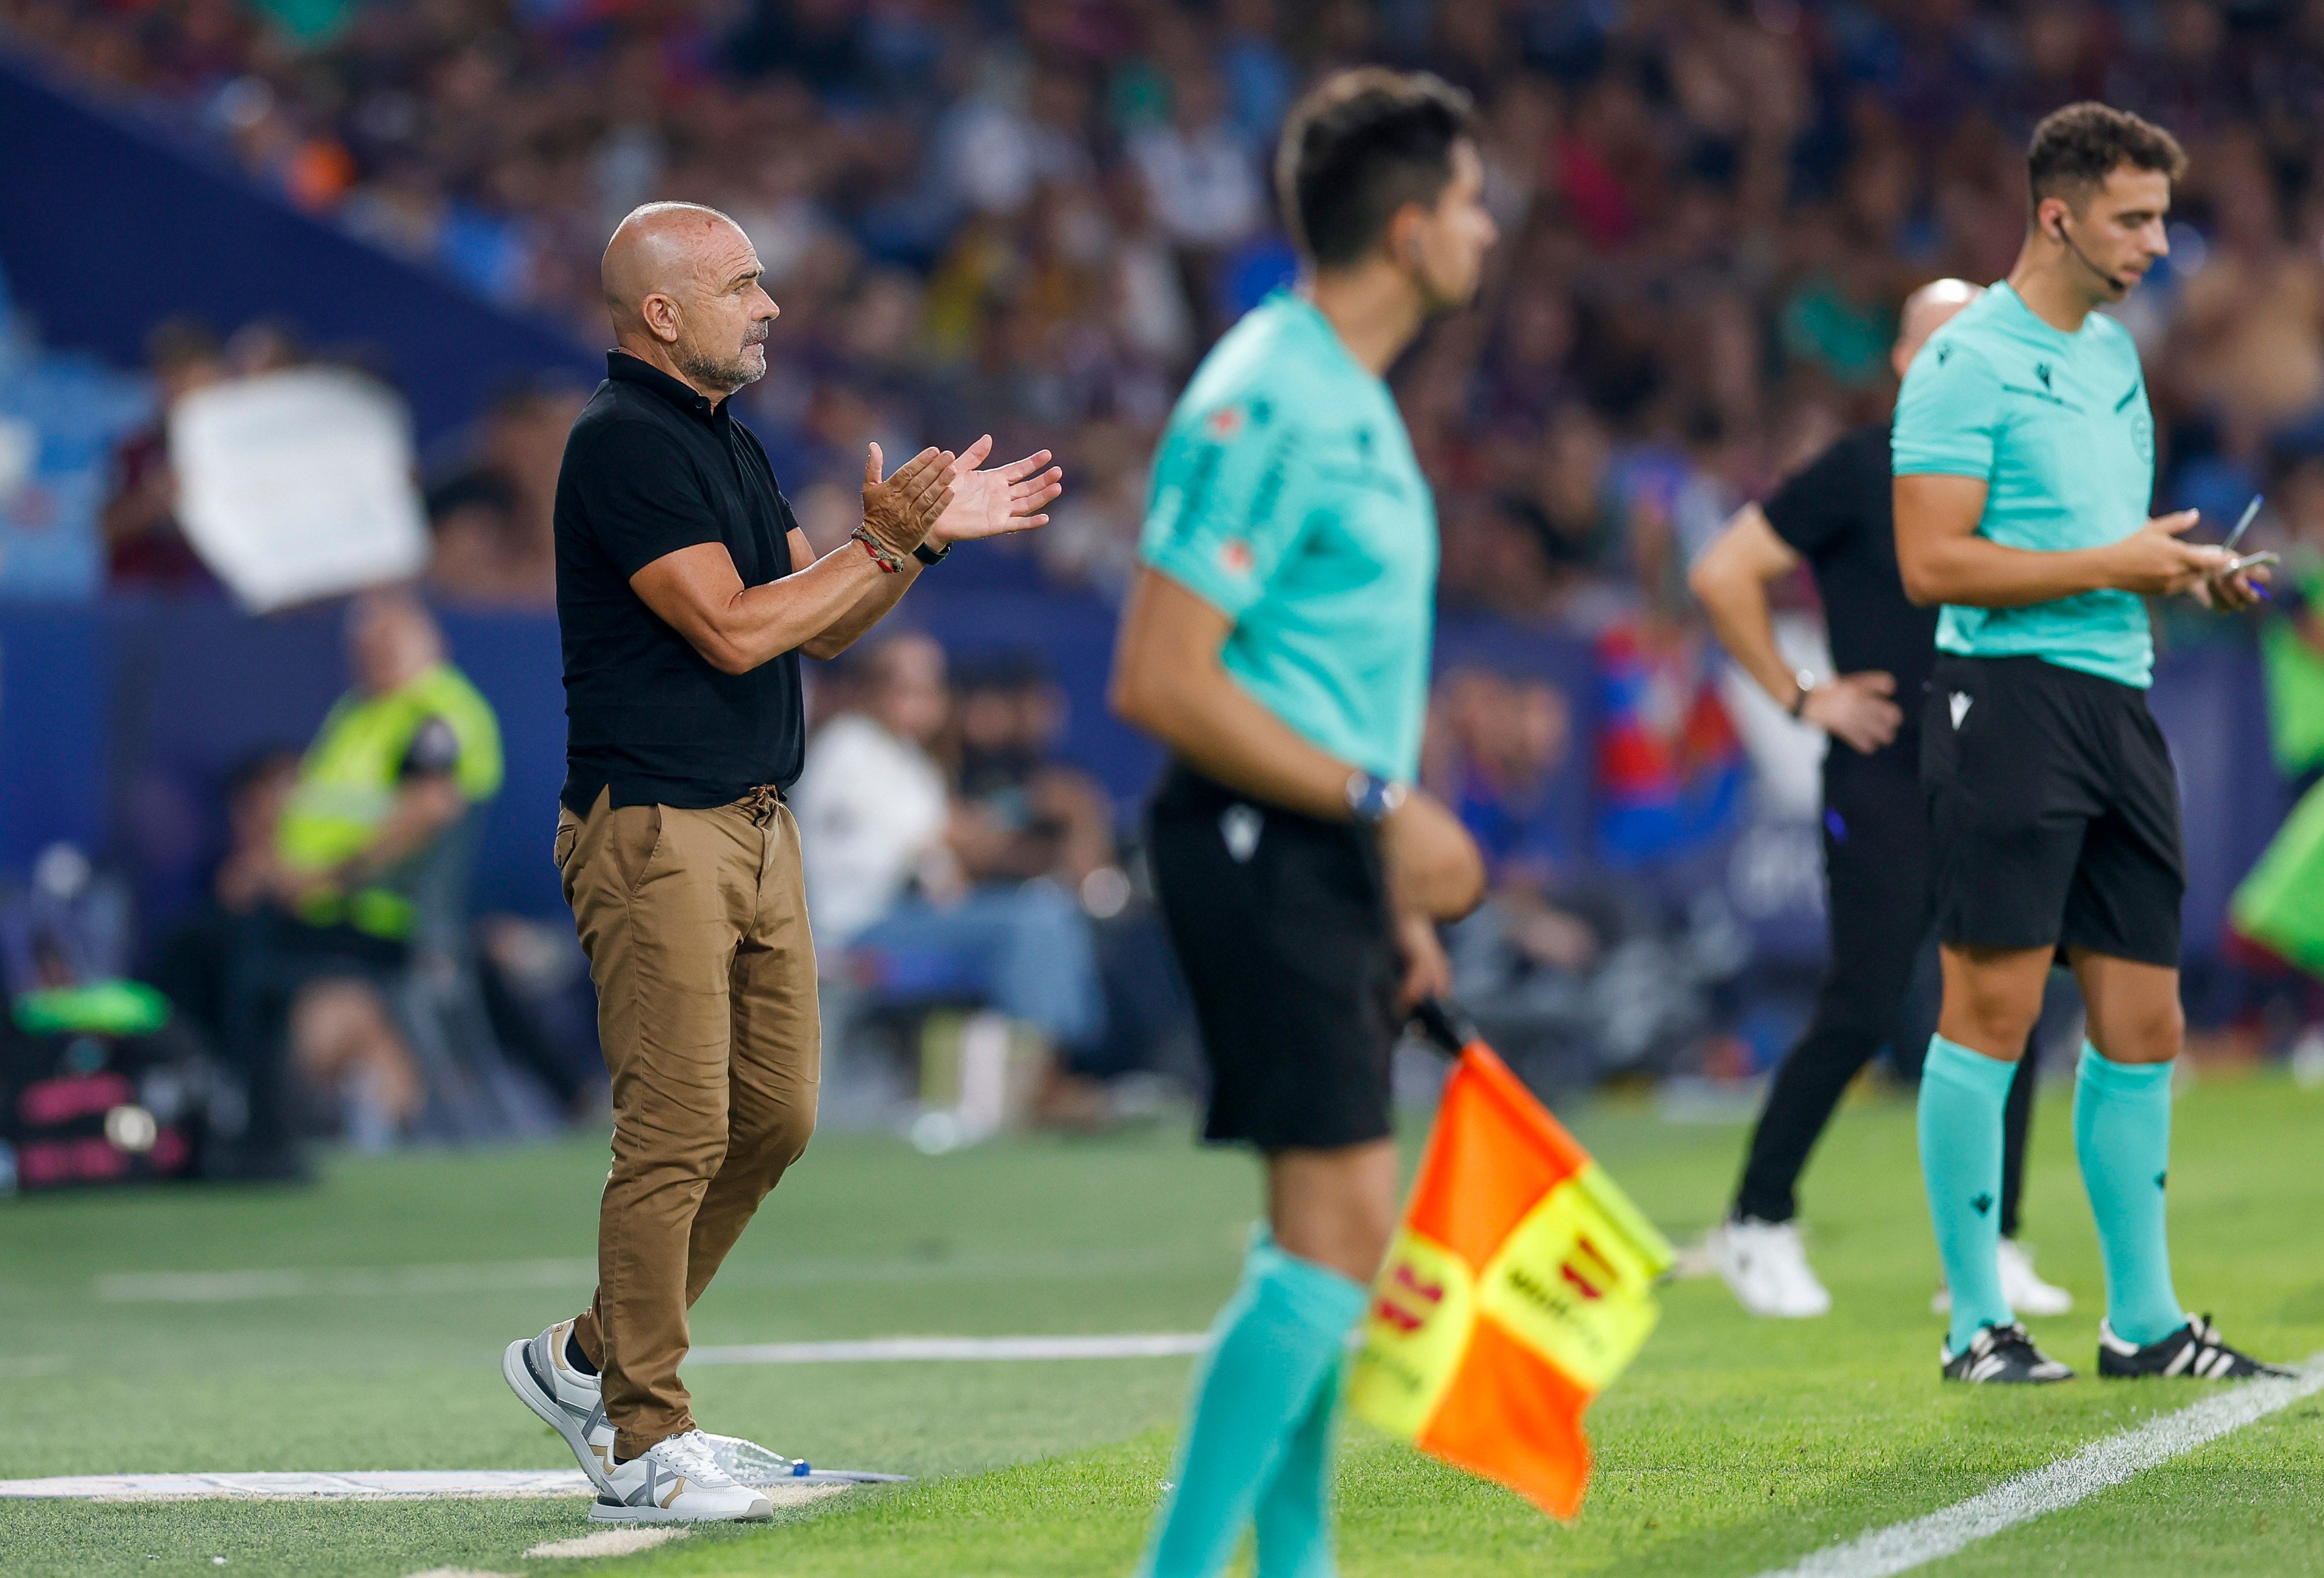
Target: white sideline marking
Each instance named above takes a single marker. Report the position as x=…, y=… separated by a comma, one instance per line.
x=31, y=1365
x=610, y=1542
x=1146, y=1345
x=371, y=1485
x=497, y=1275
x=2103, y=1463
x=379, y=1485
x=341, y=1281
x=461, y=1572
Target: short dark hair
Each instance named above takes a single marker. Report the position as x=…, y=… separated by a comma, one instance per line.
x=2076, y=147
x=1361, y=146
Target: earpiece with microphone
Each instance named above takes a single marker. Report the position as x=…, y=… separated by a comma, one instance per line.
x=2058, y=232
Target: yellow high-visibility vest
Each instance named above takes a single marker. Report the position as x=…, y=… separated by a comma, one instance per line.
x=349, y=782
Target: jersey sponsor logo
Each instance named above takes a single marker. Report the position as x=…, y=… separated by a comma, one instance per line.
x=1235, y=557
x=2042, y=394
x=1960, y=702
x=1224, y=422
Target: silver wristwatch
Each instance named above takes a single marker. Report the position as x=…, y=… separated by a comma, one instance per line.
x=1805, y=683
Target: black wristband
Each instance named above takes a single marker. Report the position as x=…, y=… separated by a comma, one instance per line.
x=920, y=551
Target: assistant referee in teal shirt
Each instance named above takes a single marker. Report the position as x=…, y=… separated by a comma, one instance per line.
x=2023, y=454
x=1277, y=643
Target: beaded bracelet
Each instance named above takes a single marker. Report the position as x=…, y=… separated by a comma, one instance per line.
x=888, y=561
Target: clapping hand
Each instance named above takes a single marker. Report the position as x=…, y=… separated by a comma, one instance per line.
x=900, y=510
x=998, y=500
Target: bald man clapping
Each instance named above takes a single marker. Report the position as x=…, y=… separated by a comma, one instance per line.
x=686, y=593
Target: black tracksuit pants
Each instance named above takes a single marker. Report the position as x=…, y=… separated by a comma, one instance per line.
x=1878, y=862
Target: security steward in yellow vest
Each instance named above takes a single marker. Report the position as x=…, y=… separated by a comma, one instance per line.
x=398, y=761
x=363, y=862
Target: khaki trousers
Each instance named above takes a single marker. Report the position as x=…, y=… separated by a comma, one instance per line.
x=695, y=923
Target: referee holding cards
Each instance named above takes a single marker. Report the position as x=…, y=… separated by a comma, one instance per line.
x=2023, y=454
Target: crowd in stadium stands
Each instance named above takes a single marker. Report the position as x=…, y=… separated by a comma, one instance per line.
x=1032, y=216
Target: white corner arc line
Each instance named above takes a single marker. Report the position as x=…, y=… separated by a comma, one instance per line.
x=1135, y=1345
x=2103, y=1463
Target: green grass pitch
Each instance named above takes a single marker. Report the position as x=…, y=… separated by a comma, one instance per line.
x=1731, y=1446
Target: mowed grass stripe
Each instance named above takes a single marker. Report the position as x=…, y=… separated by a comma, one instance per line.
x=2097, y=1467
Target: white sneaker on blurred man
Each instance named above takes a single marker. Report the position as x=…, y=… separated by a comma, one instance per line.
x=1766, y=1265
x=571, y=1401
x=2022, y=1287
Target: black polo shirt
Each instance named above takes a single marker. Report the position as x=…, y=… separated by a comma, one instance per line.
x=651, y=468
x=1839, y=512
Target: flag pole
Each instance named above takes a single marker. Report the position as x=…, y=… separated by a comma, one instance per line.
x=1448, y=1031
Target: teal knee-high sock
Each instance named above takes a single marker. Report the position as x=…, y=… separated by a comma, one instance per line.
x=1278, y=1342
x=1294, y=1511
x=1962, y=1096
x=2122, y=1138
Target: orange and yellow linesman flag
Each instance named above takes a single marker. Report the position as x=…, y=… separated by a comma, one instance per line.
x=1521, y=1283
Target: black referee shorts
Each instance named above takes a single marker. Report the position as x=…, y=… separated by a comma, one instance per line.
x=1281, y=925
x=2055, y=811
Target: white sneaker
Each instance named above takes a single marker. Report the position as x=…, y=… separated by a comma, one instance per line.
x=574, y=1406
x=2022, y=1287
x=568, y=1402
x=1767, y=1267
x=678, y=1480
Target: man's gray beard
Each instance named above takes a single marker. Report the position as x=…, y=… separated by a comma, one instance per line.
x=713, y=373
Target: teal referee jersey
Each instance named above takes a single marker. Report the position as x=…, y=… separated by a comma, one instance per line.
x=1285, y=494
x=2058, y=428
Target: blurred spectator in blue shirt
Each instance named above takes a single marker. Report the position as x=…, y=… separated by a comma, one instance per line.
x=1499, y=749
x=1567, y=975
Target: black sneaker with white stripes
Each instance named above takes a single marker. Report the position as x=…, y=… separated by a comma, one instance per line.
x=2002, y=1356
x=2195, y=1349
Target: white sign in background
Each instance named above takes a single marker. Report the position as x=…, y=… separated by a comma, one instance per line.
x=297, y=485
